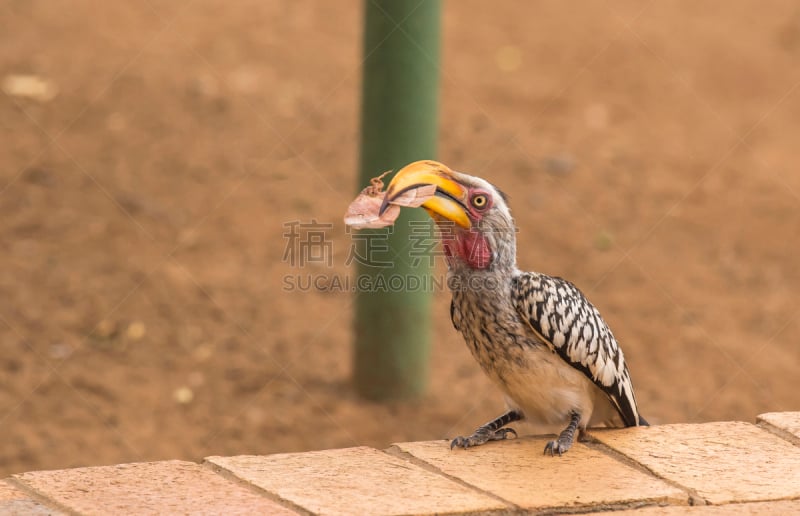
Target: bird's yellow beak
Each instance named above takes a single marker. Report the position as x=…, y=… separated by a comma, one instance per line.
x=449, y=200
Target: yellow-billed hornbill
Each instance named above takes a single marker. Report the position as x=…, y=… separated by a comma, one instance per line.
x=537, y=337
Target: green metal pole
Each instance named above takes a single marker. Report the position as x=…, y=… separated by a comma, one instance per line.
x=398, y=126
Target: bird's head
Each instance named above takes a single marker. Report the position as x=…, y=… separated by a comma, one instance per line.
x=475, y=223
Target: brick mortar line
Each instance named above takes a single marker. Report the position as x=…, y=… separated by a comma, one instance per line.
x=768, y=427
x=230, y=476
x=40, y=497
x=599, y=508
x=512, y=508
x=693, y=497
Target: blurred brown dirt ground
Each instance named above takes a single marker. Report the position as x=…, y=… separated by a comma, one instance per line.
x=650, y=149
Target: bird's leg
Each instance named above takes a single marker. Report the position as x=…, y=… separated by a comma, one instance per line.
x=565, y=438
x=491, y=431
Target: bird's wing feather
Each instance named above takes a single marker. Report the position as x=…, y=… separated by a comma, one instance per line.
x=562, y=316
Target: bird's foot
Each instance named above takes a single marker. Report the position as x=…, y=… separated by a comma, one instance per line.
x=481, y=436
x=558, y=446
x=565, y=438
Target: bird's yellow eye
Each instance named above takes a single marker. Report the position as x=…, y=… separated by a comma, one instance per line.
x=480, y=201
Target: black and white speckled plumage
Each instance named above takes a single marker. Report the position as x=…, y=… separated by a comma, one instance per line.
x=572, y=327
x=537, y=337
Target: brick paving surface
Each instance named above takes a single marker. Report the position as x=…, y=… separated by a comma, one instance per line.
x=703, y=469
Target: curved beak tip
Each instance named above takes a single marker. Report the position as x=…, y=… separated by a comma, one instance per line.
x=429, y=184
x=384, y=204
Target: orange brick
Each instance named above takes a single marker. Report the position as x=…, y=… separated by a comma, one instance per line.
x=16, y=501
x=722, y=462
x=171, y=487
x=757, y=508
x=356, y=481
x=519, y=472
x=783, y=424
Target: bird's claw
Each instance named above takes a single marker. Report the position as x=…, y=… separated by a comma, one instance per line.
x=557, y=446
x=482, y=436
x=502, y=434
